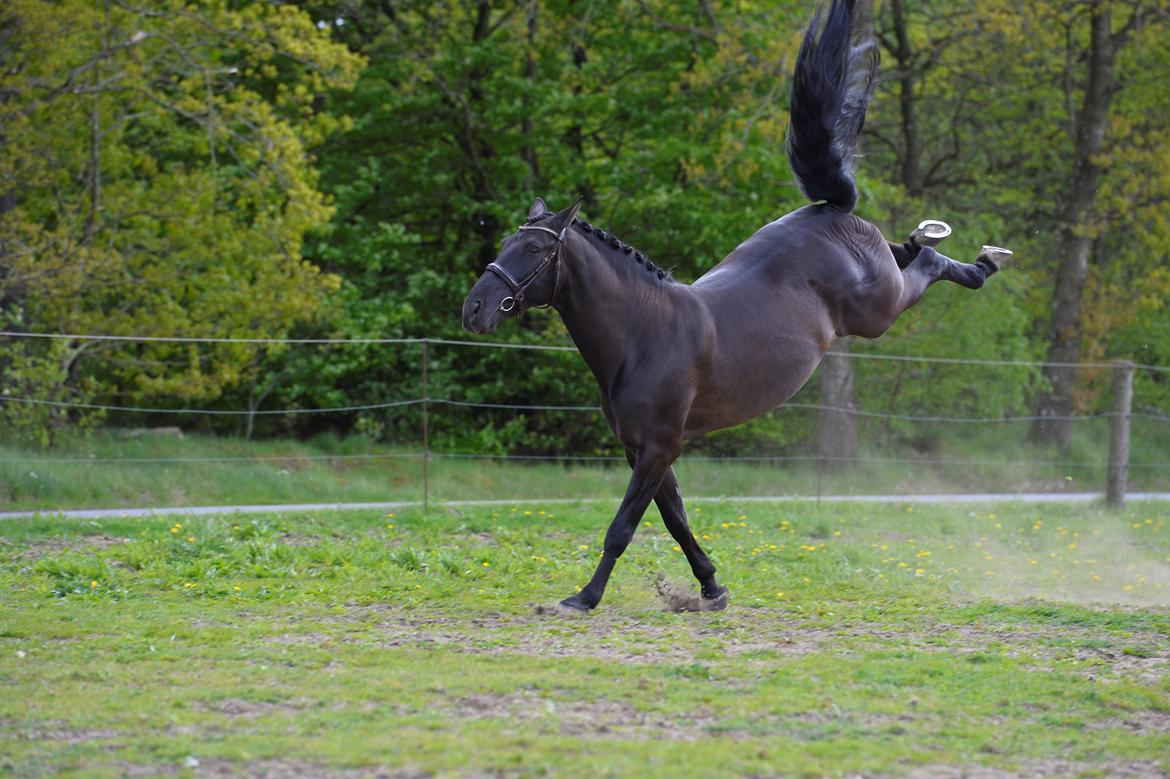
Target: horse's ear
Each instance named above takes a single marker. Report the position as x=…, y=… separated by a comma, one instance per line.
x=566, y=216
x=538, y=209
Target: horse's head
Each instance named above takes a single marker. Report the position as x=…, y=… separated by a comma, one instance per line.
x=526, y=273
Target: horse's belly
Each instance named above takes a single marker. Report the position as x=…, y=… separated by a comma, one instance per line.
x=756, y=380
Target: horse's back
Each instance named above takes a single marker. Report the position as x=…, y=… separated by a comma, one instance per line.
x=816, y=242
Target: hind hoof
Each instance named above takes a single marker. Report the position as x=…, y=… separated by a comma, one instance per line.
x=930, y=232
x=559, y=610
x=996, y=256
x=679, y=599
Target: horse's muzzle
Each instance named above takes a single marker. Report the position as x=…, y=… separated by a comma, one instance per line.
x=481, y=309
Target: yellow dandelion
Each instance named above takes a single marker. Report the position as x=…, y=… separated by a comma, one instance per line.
x=236, y=587
x=389, y=525
x=919, y=571
x=677, y=548
x=779, y=595
x=190, y=539
x=390, y=515
x=837, y=533
x=189, y=585
x=903, y=564
x=175, y=530
x=583, y=547
x=93, y=583
x=486, y=564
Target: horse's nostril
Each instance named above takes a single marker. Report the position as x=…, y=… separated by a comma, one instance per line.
x=477, y=306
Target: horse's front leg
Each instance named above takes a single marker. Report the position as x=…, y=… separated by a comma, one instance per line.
x=650, y=467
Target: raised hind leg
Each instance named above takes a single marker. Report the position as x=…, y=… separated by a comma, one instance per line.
x=930, y=266
x=930, y=232
x=674, y=516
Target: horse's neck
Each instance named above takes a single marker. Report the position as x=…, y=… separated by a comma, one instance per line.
x=602, y=303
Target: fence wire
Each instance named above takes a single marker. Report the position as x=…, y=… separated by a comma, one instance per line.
x=427, y=403
x=533, y=347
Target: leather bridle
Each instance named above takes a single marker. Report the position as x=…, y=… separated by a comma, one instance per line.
x=518, y=287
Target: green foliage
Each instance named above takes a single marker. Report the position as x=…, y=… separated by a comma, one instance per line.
x=157, y=177
x=346, y=170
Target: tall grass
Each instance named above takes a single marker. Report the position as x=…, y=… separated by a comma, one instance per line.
x=109, y=469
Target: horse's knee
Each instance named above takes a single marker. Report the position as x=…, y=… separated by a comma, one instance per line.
x=616, y=541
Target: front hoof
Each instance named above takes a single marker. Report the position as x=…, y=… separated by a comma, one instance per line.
x=930, y=232
x=995, y=256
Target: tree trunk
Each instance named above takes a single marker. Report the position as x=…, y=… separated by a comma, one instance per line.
x=911, y=167
x=838, y=429
x=838, y=425
x=528, y=152
x=1055, y=406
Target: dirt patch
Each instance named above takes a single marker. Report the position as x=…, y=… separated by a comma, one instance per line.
x=1042, y=769
x=599, y=718
x=48, y=547
x=215, y=768
x=1142, y=723
x=60, y=733
x=611, y=635
x=240, y=709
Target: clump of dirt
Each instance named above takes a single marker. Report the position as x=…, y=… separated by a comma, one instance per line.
x=681, y=599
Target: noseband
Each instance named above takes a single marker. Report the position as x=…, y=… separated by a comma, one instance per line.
x=519, y=287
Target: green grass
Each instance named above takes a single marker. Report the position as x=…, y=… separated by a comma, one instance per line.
x=327, y=469
x=884, y=640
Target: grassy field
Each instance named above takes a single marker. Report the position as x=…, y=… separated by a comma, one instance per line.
x=110, y=470
x=861, y=640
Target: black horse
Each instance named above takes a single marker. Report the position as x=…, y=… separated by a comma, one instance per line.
x=675, y=361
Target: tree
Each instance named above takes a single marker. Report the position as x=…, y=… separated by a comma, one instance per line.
x=157, y=178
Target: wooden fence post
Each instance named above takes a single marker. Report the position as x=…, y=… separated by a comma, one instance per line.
x=1119, y=434
x=426, y=403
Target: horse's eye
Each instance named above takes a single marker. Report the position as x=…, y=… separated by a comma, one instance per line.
x=533, y=249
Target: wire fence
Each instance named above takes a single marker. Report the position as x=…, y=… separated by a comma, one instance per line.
x=1118, y=417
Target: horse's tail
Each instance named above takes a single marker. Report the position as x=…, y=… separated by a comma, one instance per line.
x=831, y=87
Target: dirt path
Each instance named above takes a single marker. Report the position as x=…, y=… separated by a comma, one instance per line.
x=980, y=497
